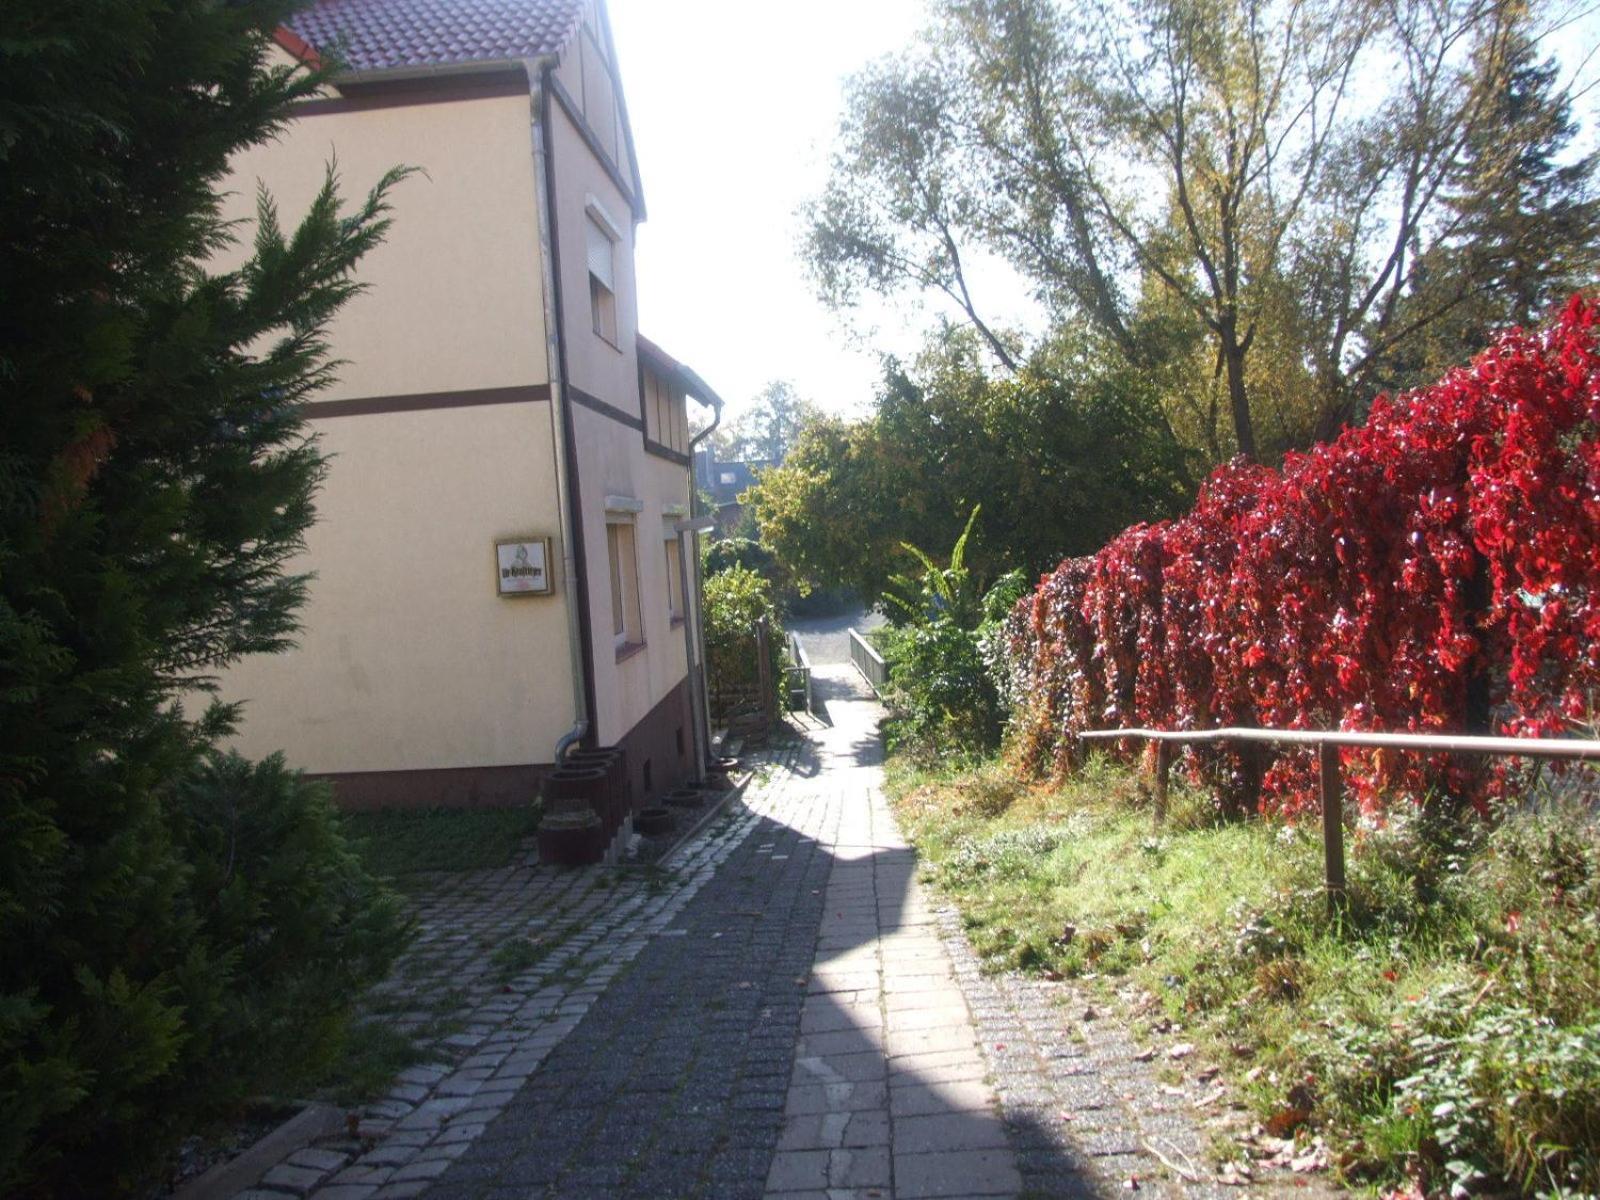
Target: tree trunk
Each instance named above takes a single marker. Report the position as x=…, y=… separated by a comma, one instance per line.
x=1244, y=430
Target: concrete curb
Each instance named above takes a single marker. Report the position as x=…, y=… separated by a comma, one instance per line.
x=706, y=817
x=245, y=1170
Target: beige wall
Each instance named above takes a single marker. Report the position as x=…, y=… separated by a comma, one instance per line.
x=454, y=301
x=410, y=659
x=611, y=463
x=611, y=457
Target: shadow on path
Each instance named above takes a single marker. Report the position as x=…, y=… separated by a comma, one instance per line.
x=677, y=1081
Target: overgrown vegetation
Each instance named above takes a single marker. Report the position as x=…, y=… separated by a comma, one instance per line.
x=1445, y=1034
x=1061, y=457
x=396, y=843
x=1434, y=570
x=942, y=696
x=737, y=599
x=178, y=929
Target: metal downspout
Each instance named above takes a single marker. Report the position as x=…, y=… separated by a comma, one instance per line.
x=560, y=417
x=694, y=632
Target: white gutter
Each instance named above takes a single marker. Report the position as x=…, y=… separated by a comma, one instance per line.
x=483, y=66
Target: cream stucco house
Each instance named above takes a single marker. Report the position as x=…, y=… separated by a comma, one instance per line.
x=502, y=556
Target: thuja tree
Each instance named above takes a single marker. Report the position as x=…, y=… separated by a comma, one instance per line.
x=159, y=902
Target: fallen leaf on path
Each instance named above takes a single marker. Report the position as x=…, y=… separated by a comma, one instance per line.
x=1181, y=1050
x=1286, y=1120
x=1211, y=1097
x=1144, y=1055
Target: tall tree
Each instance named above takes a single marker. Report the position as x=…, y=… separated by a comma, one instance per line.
x=1060, y=456
x=766, y=430
x=155, y=480
x=1521, y=215
x=1215, y=150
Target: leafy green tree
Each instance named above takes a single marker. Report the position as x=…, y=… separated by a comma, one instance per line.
x=1215, y=155
x=1060, y=456
x=766, y=430
x=1522, y=215
x=155, y=481
x=737, y=599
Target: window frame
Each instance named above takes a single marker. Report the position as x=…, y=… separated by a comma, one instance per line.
x=600, y=262
x=673, y=547
x=622, y=553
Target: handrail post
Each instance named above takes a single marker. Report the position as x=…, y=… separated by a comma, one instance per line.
x=1163, y=770
x=1332, y=825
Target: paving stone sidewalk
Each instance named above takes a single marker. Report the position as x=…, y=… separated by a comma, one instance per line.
x=786, y=1015
x=505, y=965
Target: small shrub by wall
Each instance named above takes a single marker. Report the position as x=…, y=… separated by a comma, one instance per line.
x=736, y=600
x=1436, y=569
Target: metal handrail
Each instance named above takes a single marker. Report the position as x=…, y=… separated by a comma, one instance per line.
x=802, y=663
x=1451, y=743
x=1327, y=743
x=869, y=663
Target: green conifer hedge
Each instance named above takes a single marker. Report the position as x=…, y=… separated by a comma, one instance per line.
x=177, y=928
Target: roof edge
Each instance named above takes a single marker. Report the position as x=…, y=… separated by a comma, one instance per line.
x=692, y=383
x=296, y=45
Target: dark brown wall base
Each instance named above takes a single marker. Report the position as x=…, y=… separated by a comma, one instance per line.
x=660, y=744
x=451, y=787
x=664, y=743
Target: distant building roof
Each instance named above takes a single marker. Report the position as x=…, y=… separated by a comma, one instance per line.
x=726, y=480
x=376, y=35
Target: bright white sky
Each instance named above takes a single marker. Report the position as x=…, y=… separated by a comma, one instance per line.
x=734, y=105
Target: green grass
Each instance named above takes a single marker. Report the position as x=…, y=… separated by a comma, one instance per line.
x=397, y=843
x=1448, y=1025
x=517, y=955
x=372, y=1055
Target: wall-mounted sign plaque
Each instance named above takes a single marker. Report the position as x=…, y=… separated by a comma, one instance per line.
x=523, y=566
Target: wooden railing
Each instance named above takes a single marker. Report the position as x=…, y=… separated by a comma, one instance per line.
x=869, y=662
x=1330, y=785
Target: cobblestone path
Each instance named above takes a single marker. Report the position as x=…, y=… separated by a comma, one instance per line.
x=783, y=1014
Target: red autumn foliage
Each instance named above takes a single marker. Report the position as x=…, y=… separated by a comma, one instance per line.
x=1434, y=570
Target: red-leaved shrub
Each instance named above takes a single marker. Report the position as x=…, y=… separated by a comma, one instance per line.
x=1436, y=569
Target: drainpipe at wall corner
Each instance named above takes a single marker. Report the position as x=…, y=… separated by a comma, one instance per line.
x=560, y=415
x=694, y=631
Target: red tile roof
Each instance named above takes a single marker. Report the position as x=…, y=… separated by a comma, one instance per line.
x=378, y=34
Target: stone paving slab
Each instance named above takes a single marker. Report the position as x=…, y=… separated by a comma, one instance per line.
x=787, y=1014
x=506, y=964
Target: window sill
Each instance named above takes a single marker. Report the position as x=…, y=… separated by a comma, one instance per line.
x=628, y=650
